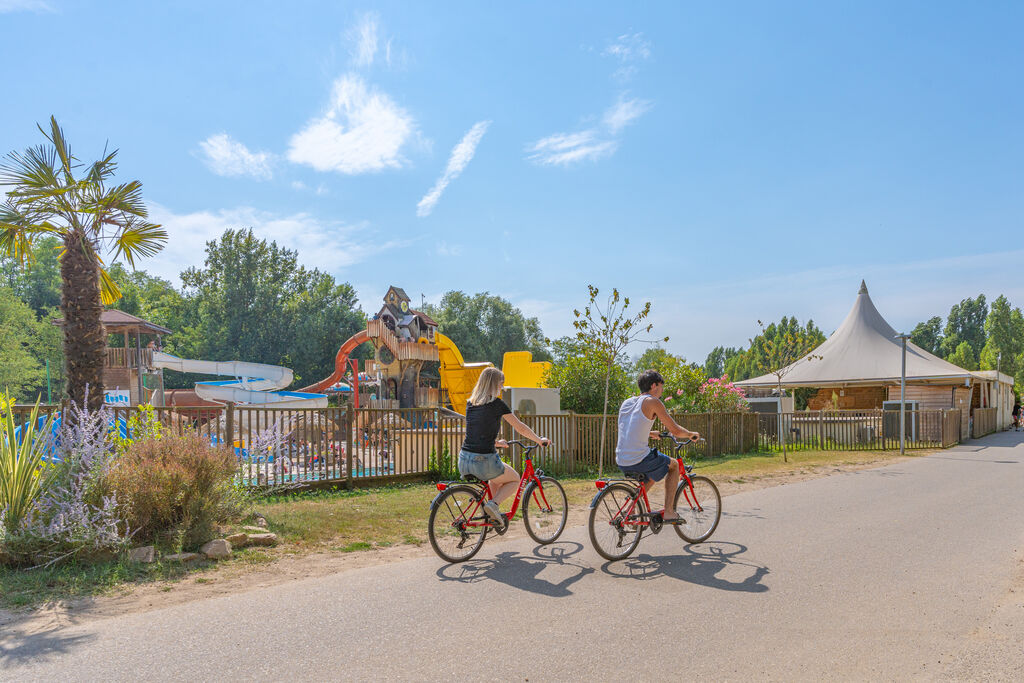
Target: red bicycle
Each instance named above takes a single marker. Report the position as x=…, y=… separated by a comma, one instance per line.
x=459, y=524
x=620, y=511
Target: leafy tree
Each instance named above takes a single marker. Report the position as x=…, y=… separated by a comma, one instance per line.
x=581, y=379
x=964, y=357
x=19, y=369
x=714, y=365
x=966, y=323
x=928, y=335
x=1004, y=346
x=485, y=326
x=750, y=363
x=252, y=301
x=606, y=330
x=39, y=284
x=88, y=215
x=683, y=380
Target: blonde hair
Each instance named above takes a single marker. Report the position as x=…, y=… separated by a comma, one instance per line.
x=486, y=389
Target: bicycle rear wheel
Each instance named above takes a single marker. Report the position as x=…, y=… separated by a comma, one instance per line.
x=545, y=510
x=613, y=536
x=454, y=536
x=701, y=509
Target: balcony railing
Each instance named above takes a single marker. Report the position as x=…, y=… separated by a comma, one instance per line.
x=127, y=358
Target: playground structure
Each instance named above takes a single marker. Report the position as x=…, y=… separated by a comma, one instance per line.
x=404, y=340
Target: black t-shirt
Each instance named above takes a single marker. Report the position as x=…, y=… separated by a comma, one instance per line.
x=482, y=425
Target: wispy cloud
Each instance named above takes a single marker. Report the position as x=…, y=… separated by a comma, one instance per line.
x=461, y=155
x=319, y=190
x=629, y=47
x=329, y=245
x=445, y=249
x=362, y=131
x=363, y=40
x=8, y=6
x=227, y=157
x=564, y=149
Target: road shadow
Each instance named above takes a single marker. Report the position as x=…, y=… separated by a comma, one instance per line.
x=18, y=647
x=699, y=564
x=523, y=571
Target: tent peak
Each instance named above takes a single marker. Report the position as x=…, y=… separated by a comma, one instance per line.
x=863, y=288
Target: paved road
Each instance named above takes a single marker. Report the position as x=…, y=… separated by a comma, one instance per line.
x=890, y=573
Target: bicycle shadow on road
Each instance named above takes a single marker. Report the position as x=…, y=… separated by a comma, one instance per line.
x=700, y=564
x=523, y=572
x=19, y=647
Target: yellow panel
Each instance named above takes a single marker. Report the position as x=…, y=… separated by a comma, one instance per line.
x=521, y=371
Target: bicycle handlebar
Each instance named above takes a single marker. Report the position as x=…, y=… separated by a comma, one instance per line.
x=679, y=444
x=522, y=445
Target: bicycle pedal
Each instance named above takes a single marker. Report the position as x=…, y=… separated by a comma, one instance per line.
x=500, y=529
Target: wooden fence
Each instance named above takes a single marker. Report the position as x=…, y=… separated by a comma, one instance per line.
x=372, y=446
x=846, y=430
x=983, y=421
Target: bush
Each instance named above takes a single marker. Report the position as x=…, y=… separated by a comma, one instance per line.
x=444, y=467
x=175, y=490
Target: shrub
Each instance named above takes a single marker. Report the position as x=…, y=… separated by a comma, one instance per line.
x=22, y=448
x=175, y=490
x=444, y=467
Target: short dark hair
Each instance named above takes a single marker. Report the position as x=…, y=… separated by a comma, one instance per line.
x=648, y=378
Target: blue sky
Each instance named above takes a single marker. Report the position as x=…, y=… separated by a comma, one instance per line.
x=728, y=163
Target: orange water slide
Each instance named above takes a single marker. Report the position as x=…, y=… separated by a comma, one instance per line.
x=340, y=362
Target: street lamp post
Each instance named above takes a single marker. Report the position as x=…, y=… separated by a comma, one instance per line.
x=999, y=393
x=903, y=337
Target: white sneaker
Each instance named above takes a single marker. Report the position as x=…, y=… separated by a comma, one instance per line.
x=492, y=510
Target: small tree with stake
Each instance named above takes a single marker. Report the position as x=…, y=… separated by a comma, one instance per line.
x=607, y=330
x=780, y=352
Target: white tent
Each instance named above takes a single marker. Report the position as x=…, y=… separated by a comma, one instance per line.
x=863, y=351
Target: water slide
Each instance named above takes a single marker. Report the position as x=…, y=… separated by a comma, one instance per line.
x=254, y=383
x=457, y=376
x=340, y=362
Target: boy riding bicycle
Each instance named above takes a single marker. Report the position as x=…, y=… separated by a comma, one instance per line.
x=633, y=453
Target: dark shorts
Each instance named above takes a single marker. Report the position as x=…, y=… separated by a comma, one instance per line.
x=654, y=466
x=483, y=466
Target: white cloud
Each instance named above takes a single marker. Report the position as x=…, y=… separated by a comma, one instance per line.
x=327, y=245
x=228, y=157
x=563, y=149
x=623, y=113
x=362, y=131
x=7, y=6
x=363, y=37
x=629, y=47
x=445, y=249
x=461, y=155
x=319, y=191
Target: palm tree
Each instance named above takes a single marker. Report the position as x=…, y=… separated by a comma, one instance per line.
x=89, y=216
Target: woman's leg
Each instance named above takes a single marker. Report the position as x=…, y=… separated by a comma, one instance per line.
x=504, y=485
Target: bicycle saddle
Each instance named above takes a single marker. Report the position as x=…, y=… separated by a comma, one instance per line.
x=470, y=478
x=635, y=476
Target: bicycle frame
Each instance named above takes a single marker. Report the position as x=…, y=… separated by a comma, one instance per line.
x=529, y=475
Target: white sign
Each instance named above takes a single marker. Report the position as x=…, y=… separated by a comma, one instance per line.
x=117, y=397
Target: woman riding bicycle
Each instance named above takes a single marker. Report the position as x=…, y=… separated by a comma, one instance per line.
x=484, y=412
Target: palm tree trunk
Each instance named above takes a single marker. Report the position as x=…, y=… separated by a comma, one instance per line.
x=85, y=338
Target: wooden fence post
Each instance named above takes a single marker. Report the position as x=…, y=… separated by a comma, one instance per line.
x=229, y=425
x=349, y=422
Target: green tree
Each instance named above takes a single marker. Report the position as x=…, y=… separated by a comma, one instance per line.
x=750, y=363
x=50, y=197
x=20, y=371
x=966, y=323
x=252, y=301
x=964, y=357
x=715, y=363
x=683, y=380
x=38, y=285
x=1004, y=346
x=485, y=326
x=928, y=335
x=580, y=376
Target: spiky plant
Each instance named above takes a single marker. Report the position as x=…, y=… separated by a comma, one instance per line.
x=53, y=193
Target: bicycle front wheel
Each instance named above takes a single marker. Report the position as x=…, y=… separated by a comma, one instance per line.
x=545, y=510
x=613, y=534
x=700, y=507
x=454, y=535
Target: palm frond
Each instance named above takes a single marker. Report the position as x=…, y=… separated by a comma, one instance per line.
x=138, y=238
x=109, y=291
x=63, y=150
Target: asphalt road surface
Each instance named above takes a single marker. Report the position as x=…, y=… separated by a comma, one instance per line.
x=911, y=571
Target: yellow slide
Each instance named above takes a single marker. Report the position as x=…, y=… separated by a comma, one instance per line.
x=459, y=377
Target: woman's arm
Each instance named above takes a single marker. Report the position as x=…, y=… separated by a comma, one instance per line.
x=525, y=430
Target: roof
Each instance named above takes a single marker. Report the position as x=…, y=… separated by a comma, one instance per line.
x=117, y=321
x=424, y=317
x=864, y=350
x=400, y=292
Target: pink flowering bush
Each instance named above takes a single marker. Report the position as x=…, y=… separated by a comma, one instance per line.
x=719, y=395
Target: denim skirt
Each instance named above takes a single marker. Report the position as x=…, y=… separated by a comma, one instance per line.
x=483, y=466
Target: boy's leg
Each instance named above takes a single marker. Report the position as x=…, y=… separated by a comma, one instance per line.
x=671, y=482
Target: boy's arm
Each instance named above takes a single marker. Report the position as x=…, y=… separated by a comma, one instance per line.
x=661, y=413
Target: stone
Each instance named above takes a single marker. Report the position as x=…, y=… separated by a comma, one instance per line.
x=257, y=529
x=263, y=539
x=239, y=540
x=216, y=549
x=183, y=557
x=261, y=521
x=144, y=555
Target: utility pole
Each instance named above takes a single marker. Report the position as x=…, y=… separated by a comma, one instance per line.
x=903, y=337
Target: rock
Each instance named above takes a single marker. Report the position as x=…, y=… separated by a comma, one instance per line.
x=143, y=555
x=257, y=529
x=263, y=539
x=217, y=549
x=183, y=557
x=239, y=540
x=261, y=521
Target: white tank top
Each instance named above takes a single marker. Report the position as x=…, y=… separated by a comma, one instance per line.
x=634, y=432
